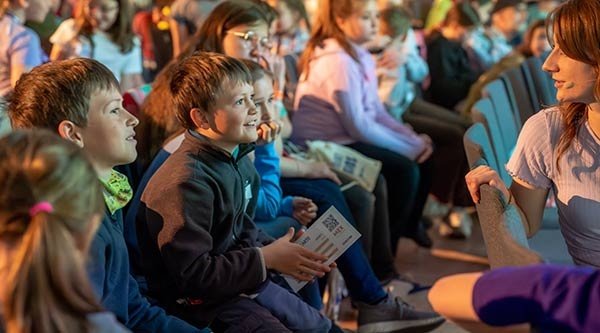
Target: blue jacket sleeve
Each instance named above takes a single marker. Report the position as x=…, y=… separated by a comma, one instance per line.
x=287, y=206
x=266, y=162
x=117, y=289
x=551, y=298
x=416, y=67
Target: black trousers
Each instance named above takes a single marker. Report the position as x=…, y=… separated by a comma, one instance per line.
x=450, y=165
x=408, y=185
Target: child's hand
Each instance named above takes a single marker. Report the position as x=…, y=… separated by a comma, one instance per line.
x=391, y=59
x=304, y=210
x=267, y=132
x=293, y=259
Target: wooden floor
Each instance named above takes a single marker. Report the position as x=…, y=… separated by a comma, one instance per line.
x=448, y=256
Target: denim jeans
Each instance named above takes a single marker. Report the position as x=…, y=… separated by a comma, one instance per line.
x=360, y=279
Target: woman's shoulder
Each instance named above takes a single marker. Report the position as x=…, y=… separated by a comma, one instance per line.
x=546, y=120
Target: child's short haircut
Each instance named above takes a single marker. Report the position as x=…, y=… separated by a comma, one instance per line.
x=257, y=71
x=395, y=21
x=198, y=81
x=58, y=91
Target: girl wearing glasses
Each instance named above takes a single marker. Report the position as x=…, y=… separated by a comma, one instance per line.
x=102, y=30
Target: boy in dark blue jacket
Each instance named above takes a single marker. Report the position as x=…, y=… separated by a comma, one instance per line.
x=203, y=253
x=80, y=100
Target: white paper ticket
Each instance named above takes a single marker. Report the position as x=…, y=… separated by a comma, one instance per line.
x=330, y=235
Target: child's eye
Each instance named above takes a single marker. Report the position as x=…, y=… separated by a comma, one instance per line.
x=115, y=111
x=270, y=100
x=239, y=101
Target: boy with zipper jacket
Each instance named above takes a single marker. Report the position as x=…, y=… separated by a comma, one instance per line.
x=203, y=254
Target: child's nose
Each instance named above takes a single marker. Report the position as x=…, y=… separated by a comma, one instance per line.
x=251, y=107
x=132, y=120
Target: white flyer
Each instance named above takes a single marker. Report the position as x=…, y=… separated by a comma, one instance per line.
x=330, y=235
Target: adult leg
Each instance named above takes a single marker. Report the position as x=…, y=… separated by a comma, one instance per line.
x=383, y=259
x=449, y=158
x=450, y=165
x=407, y=185
x=362, y=206
x=424, y=108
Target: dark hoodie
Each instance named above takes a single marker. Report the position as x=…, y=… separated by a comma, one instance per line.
x=202, y=245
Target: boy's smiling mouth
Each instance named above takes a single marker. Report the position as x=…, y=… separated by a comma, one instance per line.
x=252, y=123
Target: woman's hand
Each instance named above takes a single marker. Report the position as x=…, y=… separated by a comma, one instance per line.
x=484, y=175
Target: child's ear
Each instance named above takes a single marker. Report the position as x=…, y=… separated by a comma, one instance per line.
x=69, y=131
x=200, y=118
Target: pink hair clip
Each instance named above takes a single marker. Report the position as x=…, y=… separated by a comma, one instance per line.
x=42, y=206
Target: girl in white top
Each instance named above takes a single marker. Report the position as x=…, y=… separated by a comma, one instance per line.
x=102, y=30
x=559, y=148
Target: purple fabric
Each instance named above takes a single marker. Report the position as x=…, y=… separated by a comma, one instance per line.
x=551, y=298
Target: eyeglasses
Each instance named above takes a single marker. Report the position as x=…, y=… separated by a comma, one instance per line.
x=252, y=39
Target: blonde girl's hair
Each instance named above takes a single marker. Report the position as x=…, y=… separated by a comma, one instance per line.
x=121, y=32
x=45, y=287
x=575, y=25
x=325, y=27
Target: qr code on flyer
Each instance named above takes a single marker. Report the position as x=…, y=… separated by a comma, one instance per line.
x=331, y=223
